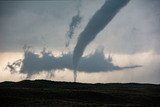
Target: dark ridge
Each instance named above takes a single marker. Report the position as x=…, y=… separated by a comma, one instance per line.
x=54, y=94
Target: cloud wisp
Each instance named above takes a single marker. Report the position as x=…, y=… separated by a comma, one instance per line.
x=75, y=22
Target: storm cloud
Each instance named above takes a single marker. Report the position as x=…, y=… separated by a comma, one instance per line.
x=45, y=61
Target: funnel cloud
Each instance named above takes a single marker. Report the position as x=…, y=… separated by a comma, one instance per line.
x=99, y=20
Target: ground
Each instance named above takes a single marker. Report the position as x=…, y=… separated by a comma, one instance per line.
x=44, y=93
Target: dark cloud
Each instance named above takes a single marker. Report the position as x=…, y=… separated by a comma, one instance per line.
x=34, y=63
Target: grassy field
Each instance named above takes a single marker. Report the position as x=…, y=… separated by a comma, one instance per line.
x=43, y=93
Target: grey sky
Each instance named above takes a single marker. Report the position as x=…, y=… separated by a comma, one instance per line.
x=133, y=30
x=132, y=37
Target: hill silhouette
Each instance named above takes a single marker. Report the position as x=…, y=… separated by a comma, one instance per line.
x=46, y=93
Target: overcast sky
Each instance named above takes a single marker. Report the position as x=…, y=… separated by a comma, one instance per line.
x=45, y=23
x=135, y=30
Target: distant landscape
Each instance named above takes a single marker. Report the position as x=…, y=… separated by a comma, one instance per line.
x=44, y=93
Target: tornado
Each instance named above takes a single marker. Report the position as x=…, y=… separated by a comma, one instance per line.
x=97, y=23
